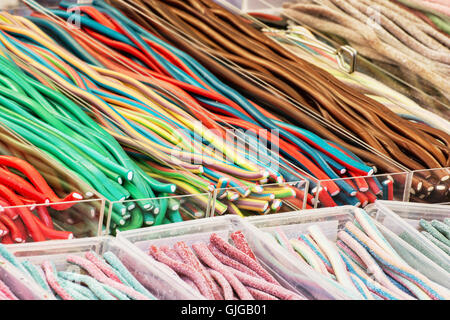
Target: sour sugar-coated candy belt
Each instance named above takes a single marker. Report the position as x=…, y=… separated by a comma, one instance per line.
x=220, y=271
x=362, y=261
x=99, y=278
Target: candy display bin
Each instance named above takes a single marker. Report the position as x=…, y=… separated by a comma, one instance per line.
x=331, y=220
x=403, y=219
x=301, y=280
x=161, y=284
x=20, y=284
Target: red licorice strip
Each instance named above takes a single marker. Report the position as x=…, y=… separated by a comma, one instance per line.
x=14, y=231
x=53, y=282
x=106, y=269
x=45, y=216
x=372, y=198
x=183, y=269
x=7, y=292
x=361, y=183
x=190, y=259
x=23, y=234
x=238, y=255
x=208, y=258
x=8, y=211
x=226, y=260
x=373, y=186
x=260, y=284
x=39, y=182
x=362, y=199
x=20, y=186
x=97, y=274
x=51, y=233
x=241, y=243
x=261, y=295
x=325, y=199
x=24, y=213
x=7, y=239
x=227, y=290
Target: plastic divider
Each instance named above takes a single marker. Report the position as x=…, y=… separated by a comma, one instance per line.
x=302, y=280
x=155, y=279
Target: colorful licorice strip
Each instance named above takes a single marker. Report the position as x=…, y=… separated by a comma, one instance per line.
x=219, y=270
x=364, y=261
x=22, y=186
x=99, y=278
x=175, y=74
x=437, y=232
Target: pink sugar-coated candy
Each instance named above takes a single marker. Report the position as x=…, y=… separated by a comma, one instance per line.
x=7, y=292
x=183, y=269
x=53, y=282
x=106, y=269
x=208, y=258
x=263, y=285
x=224, y=284
x=190, y=283
x=350, y=252
x=260, y=295
x=241, y=243
x=226, y=260
x=238, y=255
x=190, y=259
x=97, y=274
x=171, y=253
x=3, y=296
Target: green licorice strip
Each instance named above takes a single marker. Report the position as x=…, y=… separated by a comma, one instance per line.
x=163, y=202
x=67, y=156
x=423, y=247
x=107, y=166
x=174, y=204
x=95, y=286
x=442, y=228
x=5, y=81
x=117, y=218
x=112, y=259
x=116, y=293
x=81, y=289
x=435, y=233
x=77, y=295
x=175, y=216
x=136, y=221
x=149, y=219
x=136, y=193
x=12, y=259
x=439, y=244
x=447, y=221
x=36, y=275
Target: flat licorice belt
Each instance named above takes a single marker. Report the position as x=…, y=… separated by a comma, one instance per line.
x=224, y=34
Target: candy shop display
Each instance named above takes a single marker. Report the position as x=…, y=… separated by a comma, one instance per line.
x=224, y=150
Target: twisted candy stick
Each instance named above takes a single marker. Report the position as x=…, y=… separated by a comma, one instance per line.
x=7, y=291
x=95, y=286
x=238, y=255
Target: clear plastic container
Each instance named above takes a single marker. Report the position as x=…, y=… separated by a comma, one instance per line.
x=330, y=220
x=302, y=280
x=160, y=283
x=403, y=219
x=20, y=284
